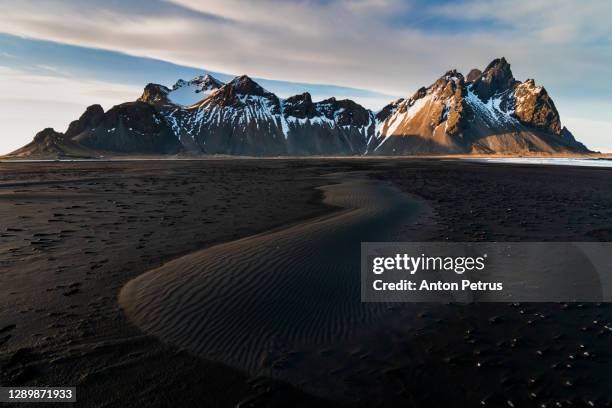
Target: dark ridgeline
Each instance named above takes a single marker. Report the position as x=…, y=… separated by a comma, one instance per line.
x=486, y=112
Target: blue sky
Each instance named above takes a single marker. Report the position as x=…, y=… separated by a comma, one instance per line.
x=58, y=56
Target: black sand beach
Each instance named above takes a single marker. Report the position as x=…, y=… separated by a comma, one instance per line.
x=73, y=235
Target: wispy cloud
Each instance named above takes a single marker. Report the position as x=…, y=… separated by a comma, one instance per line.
x=554, y=22
x=358, y=43
x=392, y=46
x=350, y=43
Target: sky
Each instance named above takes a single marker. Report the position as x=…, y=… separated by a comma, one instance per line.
x=59, y=56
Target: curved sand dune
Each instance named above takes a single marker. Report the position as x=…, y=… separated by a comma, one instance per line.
x=276, y=293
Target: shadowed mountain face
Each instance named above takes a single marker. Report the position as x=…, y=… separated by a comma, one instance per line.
x=486, y=112
x=129, y=127
x=242, y=118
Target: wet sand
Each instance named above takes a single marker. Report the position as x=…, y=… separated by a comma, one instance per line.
x=73, y=234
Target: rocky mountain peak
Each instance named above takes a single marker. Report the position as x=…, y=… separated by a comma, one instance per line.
x=201, y=82
x=91, y=118
x=240, y=92
x=473, y=75
x=303, y=98
x=500, y=69
x=179, y=84
x=48, y=135
x=447, y=85
x=496, y=78
x=499, y=64
x=155, y=94
x=208, y=80
x=534, y=107
x=92, y=113
x=420, y=93
x=449, y=76
x=452, y=75
x=244, y=85
x=345, y=112
x=182, y=93
x=300, y=106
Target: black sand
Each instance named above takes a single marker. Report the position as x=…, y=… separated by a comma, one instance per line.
x=72, y=234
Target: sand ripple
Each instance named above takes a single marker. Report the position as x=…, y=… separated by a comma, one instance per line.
x=276, y=292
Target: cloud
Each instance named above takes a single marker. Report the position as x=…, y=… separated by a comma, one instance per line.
x=301, y=41
x=49, y=69
x=553, y=22
x=391, y=46
x=359, y=43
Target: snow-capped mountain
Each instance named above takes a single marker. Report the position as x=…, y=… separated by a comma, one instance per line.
x=486, y=112
x=187, y=93
x=243, y=118
x=183, y=93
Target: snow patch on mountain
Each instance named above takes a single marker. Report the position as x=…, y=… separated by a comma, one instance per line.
x=399, y=117
x=491, y=111
x=188, y=93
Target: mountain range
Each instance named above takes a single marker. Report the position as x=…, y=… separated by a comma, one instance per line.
x=485, y=112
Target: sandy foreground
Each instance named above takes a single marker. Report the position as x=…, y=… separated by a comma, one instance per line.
x=73, y=235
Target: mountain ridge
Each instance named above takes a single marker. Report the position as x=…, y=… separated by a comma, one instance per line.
x=487, y=112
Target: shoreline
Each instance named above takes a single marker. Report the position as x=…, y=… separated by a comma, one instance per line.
x=203, y=157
